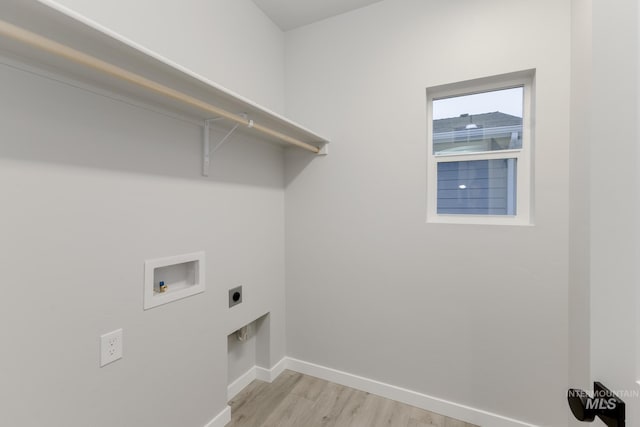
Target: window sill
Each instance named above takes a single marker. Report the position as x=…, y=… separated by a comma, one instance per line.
x=479, y=220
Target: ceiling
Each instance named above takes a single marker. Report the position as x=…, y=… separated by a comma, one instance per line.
x=290, y=14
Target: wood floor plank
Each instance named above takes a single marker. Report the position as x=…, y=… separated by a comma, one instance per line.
x=450, y=422
x=392, y=414
x=255, y=412
x=352, y=409
x=330, y=404
x=297, y=400
x=309, y=387
x=370, y=413
x=291, y=412
x=426, y=417
x=415, y=423
x=245, y=403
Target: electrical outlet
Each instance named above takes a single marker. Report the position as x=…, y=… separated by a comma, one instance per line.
x=110, y=347
x=235, y=296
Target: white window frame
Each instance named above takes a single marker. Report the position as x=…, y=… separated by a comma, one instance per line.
x=524, y=155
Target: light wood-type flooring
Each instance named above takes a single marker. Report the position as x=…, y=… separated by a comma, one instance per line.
x=297, y=400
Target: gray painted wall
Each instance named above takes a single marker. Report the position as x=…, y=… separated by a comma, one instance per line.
x=90, y=187
x=579, y=231
x=473, y=314
x=230, y=42
x=614, y=232
x=242, y=355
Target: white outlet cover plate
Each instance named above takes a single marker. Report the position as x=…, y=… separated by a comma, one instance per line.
x=110, y=347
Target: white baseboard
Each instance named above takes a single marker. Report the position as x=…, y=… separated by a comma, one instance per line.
x=269, y=375
x=222, y=419
x=238, y=385
x=256, y=372
x=423, y=401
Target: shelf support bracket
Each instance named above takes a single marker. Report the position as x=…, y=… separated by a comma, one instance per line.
x=207, y=151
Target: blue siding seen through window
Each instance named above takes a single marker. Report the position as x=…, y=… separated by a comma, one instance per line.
x=477, y=187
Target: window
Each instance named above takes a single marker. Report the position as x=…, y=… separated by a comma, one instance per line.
x=480, y=144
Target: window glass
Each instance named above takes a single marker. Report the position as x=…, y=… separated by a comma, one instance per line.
x=477, y=187
x=480, y=122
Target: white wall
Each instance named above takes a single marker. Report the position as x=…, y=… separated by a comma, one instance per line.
x=579, y=225
x=241, y=354
x=90, y=187
x=473, y=314
x=231, y=42
x=614, y=198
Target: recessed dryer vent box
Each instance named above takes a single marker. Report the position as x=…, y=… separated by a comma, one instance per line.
x=172, y=278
